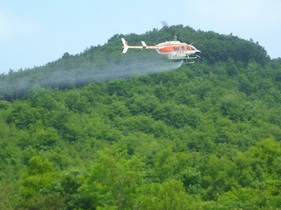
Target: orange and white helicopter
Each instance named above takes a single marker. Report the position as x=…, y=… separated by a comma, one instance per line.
x=174, y=50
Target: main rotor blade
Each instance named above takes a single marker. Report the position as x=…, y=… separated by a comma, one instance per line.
x=170, y=31
x=164, y=23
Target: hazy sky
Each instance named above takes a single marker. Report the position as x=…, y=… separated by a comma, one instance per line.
x=35, y=32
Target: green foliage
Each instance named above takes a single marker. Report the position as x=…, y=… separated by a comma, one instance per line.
x=113, y=181
x=199, y=137
x=168, y=195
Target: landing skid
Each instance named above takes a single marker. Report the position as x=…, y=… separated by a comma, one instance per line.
x=185, y=59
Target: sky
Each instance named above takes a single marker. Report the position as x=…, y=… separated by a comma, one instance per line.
x=35, y=32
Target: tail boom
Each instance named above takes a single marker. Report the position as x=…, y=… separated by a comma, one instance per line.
x=126, y=46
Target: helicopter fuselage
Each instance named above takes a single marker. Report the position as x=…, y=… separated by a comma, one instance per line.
x=177, y=50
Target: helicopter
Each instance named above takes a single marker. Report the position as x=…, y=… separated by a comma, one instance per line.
x=173, y=50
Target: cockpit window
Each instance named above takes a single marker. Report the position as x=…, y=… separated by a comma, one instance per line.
x=193, y=48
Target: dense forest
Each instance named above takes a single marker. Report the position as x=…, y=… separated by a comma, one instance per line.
x=103, y=130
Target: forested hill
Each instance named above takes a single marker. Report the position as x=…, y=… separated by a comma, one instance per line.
x=201, y=136
x=105, y=62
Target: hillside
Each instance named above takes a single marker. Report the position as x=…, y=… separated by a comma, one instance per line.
x=202, y=136
x=102, y=63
